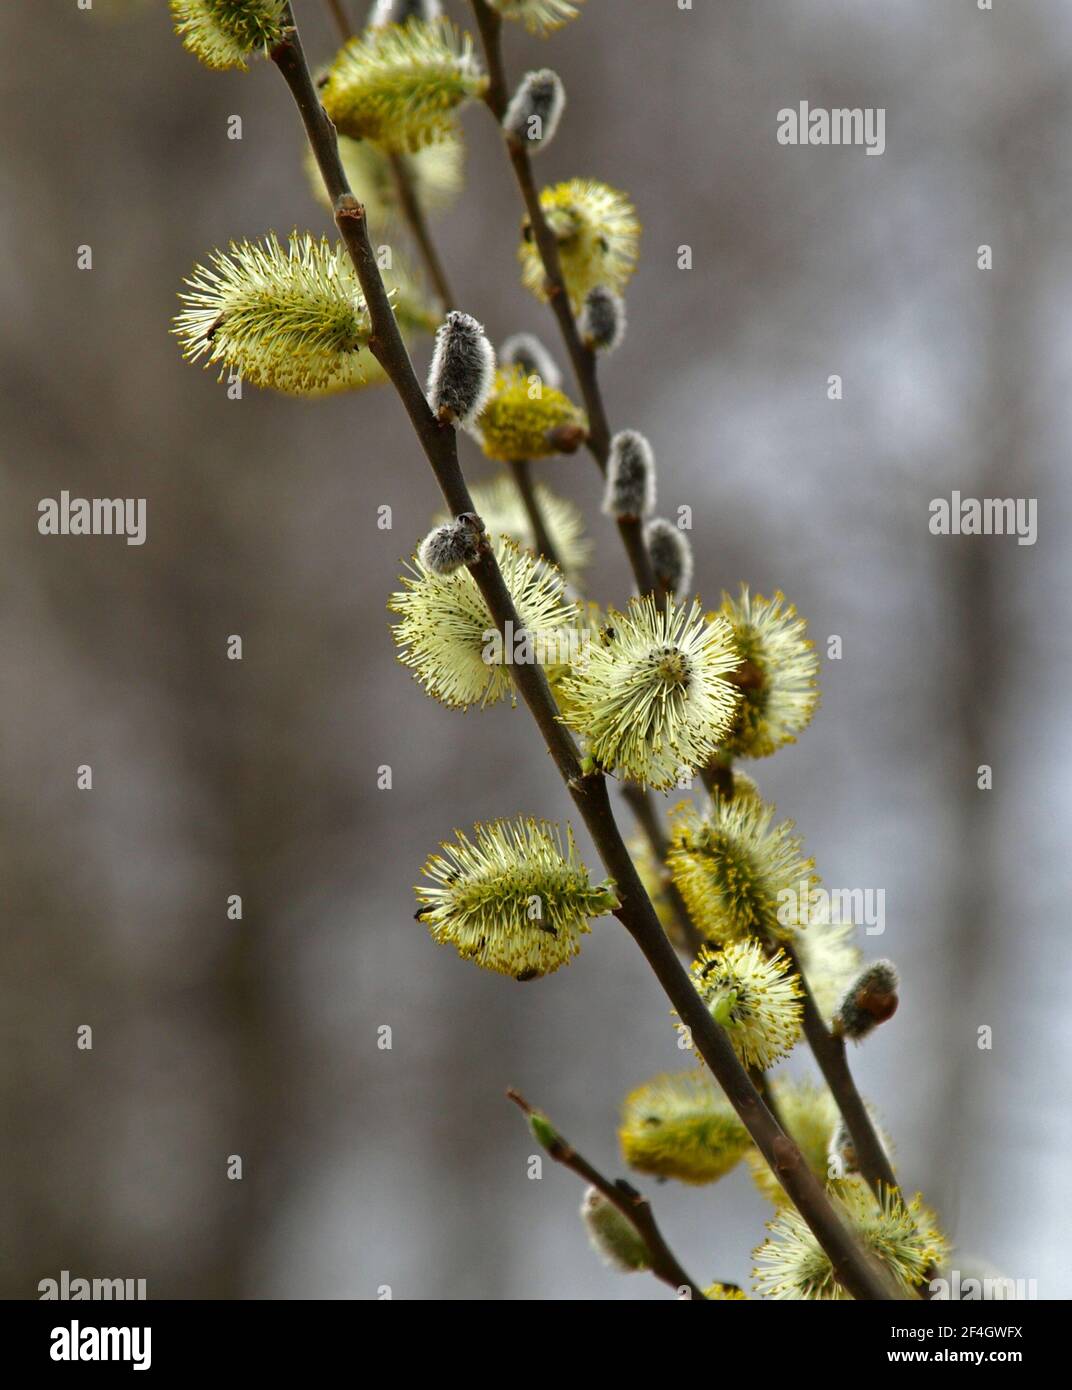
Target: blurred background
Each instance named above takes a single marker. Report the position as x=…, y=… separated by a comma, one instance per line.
x=406, y=1168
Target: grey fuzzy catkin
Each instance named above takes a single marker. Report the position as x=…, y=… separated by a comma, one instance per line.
x=535, y=109
x=462, y=371
x=630, y=490
x=447, y=548
x=870, y=1000
x=671, y=555
x=525, y=350
x=400, y=11
x=602, y=322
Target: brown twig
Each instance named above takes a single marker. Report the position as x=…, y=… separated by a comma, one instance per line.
x=874, y=1162
x=828, y=1050
x=643, y=809
x=337, y=10
x=583, y=360
x=521, y=472
x=635, y=1208
x=852, y=1266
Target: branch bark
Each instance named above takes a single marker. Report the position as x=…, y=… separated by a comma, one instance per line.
x=852, y=1266
x=635, y=1208
x=828, y=1051
x=521, y=472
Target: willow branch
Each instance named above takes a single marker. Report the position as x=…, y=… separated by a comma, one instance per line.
x=643, y=809
x=634, y=1207
x=408, y=201
x=582, y=358
x=418, y=225
x=521, y=472
x=852, y=1266
x=828, y=1051
x=341, y=19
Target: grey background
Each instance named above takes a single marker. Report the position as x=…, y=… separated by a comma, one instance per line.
x=407, y=1168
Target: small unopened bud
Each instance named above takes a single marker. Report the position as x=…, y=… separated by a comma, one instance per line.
x=841, y=1159
x=602, y=321
x=401, y=11
x=613, y=1236
x=870, y=1000
x=532, y=117
x=630, y=488
x=543, y=1131
x=525, y=350
x=671, y=555
x=447, y=548
x=841, y=1155
x=566, y=439
x=462, y=371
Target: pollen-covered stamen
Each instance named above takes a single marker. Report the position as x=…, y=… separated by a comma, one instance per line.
x=598, y=239
x=524, y=418
x=755, y=997
x=287, y=317
x=515, y=900
x=538, y=16
x=224, y=33
x=672, y=667
x=777, y=674
x=736, y=870
x=401, y=84
x=449, y=640
x=651, y=702
x=682, y=1127
x=902, y=1236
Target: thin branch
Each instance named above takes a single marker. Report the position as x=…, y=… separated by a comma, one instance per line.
x=408, y=201
x=829, y=1052
x=582, y=358
x=337, y=10
x=635, y=1208
x=418, y=225
x=852, y=1266
x=718, y=779
x=643, y=808
x=521, y=472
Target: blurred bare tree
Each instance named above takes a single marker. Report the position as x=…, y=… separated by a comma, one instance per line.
x=363, y=1167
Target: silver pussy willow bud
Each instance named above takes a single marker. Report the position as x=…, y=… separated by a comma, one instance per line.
x=535, y=110
x=447, y=548
x=525, y=350
x=870, y=1000
x=671, y=555
x=630, y=491
x=602, y=321
x=401, y=11
x=462, y=371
